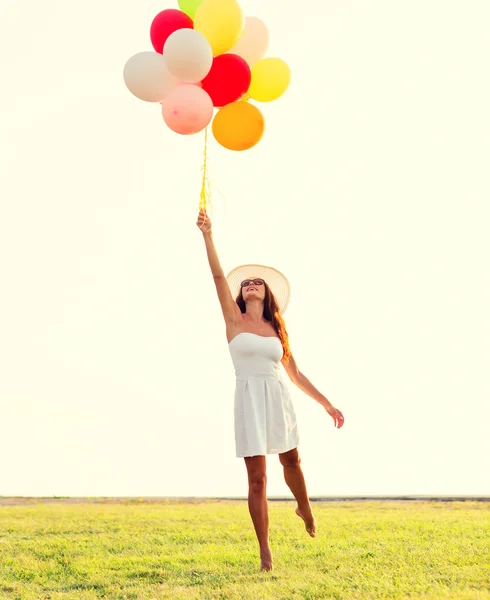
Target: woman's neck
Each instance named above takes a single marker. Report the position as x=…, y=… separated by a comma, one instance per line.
x=255, y=312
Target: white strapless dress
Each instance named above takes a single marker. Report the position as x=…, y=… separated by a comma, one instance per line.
x=265, y=421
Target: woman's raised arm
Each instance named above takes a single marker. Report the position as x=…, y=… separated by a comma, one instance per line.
x=230, y=309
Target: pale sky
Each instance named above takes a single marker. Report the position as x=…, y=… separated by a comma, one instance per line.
x=369, y=190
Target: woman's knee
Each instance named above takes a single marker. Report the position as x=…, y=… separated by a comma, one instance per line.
x=256, y=468
x=257, y=482
x=290, y=459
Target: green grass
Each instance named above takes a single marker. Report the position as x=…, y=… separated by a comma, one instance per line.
x=133, y=551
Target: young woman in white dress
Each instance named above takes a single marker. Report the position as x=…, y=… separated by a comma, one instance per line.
x=265, y=422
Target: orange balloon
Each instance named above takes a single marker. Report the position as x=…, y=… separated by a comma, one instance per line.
x=238, y=126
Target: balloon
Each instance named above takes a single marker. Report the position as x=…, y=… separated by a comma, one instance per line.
x=253, y=42
x=228, y=79
x=165, y=23
x=147, y=76
x=270, y=79
x=187, y=109
x=238, y=126
x=189, y=7
x=221, y=21
x=188, y=55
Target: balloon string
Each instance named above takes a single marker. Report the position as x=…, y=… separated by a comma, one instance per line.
x=205, y=189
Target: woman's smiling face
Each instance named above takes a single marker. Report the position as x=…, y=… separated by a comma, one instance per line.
x=253, y=288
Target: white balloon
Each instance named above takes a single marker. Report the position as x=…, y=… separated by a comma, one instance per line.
x=147, y=77
x=253, y=42
x=188, y=55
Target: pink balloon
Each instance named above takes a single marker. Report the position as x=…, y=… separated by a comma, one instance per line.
x=187, y=109
x=165, y=23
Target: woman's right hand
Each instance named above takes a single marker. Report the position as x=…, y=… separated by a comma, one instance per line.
x=204, y=222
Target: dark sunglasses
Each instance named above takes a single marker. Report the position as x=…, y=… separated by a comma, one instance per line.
x=248, y=282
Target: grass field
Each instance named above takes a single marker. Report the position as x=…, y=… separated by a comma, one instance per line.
x=208, y=551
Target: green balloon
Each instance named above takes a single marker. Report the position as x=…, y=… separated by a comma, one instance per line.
x=189, y=7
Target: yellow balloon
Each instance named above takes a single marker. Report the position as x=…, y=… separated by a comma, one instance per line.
x=270, y=79
x=221, y=22
x=238, y=126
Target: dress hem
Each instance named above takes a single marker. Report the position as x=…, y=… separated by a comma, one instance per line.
x=271, y=452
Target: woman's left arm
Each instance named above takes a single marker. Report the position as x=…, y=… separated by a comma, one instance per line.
x=305, y=385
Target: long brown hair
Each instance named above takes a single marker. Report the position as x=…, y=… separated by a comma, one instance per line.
x=271, y=313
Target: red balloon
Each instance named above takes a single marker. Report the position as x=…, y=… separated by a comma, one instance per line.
x=165, y=23
x=228, y=80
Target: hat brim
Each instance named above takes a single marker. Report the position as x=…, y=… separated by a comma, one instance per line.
x=277, y=282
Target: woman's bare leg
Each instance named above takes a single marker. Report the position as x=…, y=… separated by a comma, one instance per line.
x=257, y=505
x=293, y=475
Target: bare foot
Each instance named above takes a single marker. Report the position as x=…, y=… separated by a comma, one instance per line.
x=310, y=522
x=266, y=560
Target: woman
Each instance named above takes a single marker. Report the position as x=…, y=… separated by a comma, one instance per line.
x=265, y=421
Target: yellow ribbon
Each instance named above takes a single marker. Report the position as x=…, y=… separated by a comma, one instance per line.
x=205, y=187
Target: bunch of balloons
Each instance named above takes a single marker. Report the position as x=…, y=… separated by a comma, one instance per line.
x=209, y=56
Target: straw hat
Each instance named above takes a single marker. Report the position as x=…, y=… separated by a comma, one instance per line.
x=277, y=282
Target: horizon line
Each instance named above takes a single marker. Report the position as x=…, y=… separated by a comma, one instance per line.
x=15, y=500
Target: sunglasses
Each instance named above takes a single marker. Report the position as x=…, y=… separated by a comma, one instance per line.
x=248, y=282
